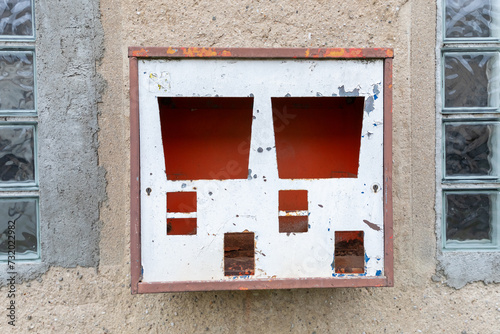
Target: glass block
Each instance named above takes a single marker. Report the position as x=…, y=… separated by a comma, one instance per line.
x=17, y=158
x=469, y=217
x=16, y=18
x=471, y=80
x=471, y=149
x=18, y=221
x=470, y=19
x=17, y=84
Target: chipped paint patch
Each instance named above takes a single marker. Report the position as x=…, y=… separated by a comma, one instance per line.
x=140, y=53
x=343, y=92
x=171, y=51
x=369, y=107
x=159, y=82
x=199, y=52
x=371, y=225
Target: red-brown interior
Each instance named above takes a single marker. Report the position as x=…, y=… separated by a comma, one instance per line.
x=317, y=137
x=206, y=137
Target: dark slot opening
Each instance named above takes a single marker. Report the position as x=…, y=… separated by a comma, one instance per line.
x=181, y=226
x=181, y=201
x=239, y=254
x=293, y=200
x=349, y=252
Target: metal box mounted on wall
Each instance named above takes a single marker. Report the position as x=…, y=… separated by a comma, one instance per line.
x=260, y=168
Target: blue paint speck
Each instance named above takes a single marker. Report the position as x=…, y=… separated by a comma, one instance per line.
x=328, y=229
x=378, y=273
x=374, y=124
x=366, y=258
x=375, y=96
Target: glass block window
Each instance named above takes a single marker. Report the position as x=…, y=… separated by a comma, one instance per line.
x=16, y=19
x=471, y=150
x=471, y=19
x=19, y=234
x=470, y=219
x=17, y=82
x=19, y=218
x=471, y=81
x=469, y=131
x=17, y=154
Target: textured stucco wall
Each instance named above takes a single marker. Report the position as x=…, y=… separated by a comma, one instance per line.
x=98, y=299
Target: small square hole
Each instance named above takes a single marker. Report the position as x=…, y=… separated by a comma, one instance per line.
x=239, y=254
x=181, y=201
x=292, y=200
x=293, y=224
x=181, y=226
x=349, y=252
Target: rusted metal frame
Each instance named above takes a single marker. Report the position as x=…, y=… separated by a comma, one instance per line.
x=260, y=53
x=135, y=183
x=388, y=214
x=255, y=284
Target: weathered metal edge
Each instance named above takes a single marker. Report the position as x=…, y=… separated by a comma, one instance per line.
x=135, y=183
x=256, y=53
x=255, y=284
x=388, y=205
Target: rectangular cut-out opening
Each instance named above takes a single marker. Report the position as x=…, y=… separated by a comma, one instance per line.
x=291, y=220
x=293, y=224
x=206, y=138
x=317, y=137
x=181, y=201
x=349, y=252
x=181, y=226
x=239, y=254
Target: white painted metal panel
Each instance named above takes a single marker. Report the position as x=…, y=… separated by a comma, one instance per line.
x=252, y=204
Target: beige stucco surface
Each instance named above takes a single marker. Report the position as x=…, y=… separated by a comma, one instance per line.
x=90, y=300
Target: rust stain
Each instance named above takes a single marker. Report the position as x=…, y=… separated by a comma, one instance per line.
x=371, y=225
x=199, y=52
x=171, y=51
x=336, y=52
x=226, y=53
x=389, y=53
x=355, y=53
x=242, y=288
x=308, y=52
x=140, y=53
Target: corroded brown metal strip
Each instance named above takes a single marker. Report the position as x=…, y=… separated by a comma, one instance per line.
x=388, y=215
x=261, y=284
x=263, y=53
x=135, y=184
